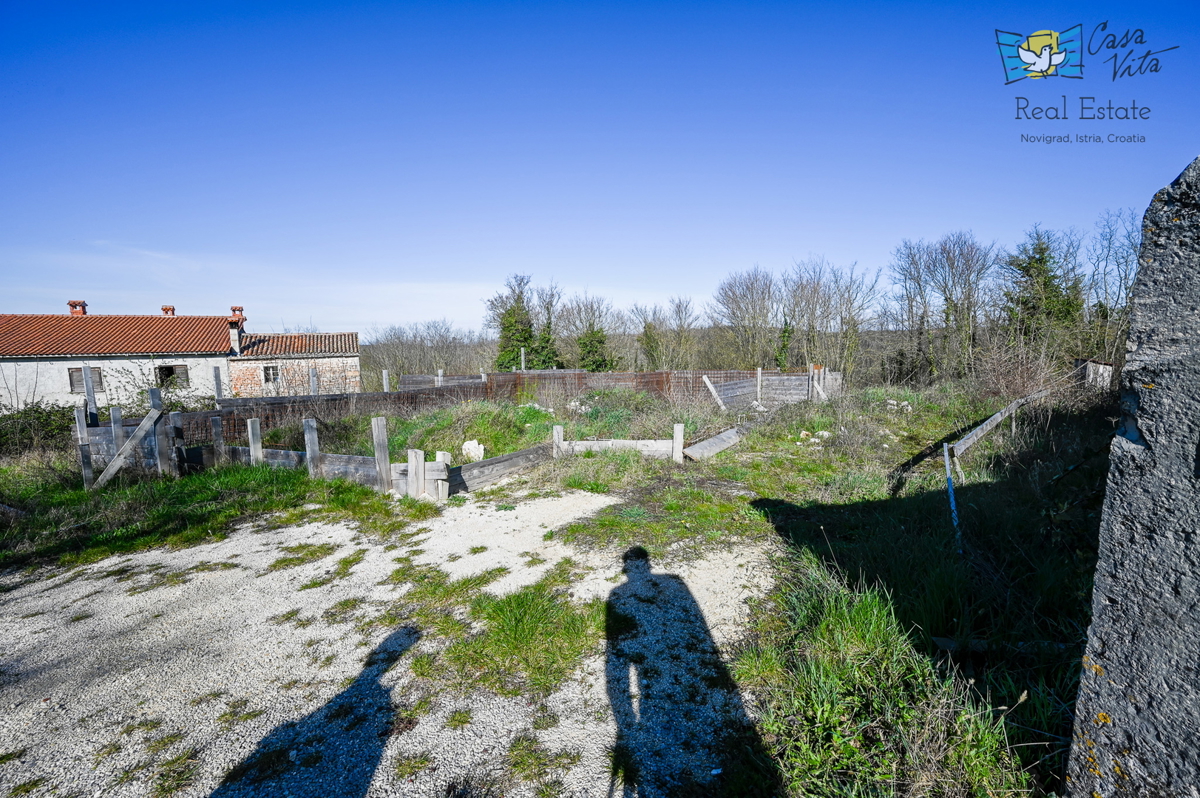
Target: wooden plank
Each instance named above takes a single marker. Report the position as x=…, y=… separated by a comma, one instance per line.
x=84, y=445
x=278, y=458
x=434, y=470
x=162, y=449
x=717, y=443
x=254, y=433
x=474, y=476
x=677, y=444
x=114, y=465
x=220, y=455
x=974, y=436
x=312, y=448
x=713, y=391
x=650, y=448
x=383, y=462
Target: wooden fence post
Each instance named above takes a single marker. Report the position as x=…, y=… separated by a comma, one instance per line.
x=677, y=444
x=254, y=434
x=118, y=428
x=387, y=382
x=442, y=486
x=89, y=391
x=558, y=441
x=383, y=460
x=162, y=451
x=175, y=437
x=218, y=434
x=84, y=444
x=416, y=473
x=218, y=392
x=313, y=385
x=312, y=448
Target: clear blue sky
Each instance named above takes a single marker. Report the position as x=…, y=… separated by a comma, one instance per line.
x=356, y=164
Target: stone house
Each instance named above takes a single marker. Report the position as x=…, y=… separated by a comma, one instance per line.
x=43, y=357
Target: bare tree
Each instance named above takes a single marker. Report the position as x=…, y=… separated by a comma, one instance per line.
x=1112, y=257
x=825, y=308
x=746, y=305
x=425, y=347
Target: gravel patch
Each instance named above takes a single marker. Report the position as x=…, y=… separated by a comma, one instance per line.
x=215, y=671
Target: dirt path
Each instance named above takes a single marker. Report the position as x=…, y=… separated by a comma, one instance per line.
x=227, y=669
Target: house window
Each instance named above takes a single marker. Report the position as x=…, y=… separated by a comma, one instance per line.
x=76, y=376
x=270, y=374
x=173, y=376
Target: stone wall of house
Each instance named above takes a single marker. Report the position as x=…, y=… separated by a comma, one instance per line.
x=290, y=376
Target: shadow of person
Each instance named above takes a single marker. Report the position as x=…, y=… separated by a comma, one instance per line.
x=333, y=750
x=681, y=726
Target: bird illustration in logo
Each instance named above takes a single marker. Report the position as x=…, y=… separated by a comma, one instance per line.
x=1042, y=63
x=1043, y=54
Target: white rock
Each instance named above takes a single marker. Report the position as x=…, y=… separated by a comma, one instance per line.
x=472, y=450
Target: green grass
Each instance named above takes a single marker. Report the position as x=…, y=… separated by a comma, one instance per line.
x=159, y=744
x=67, y=525
x=532, y=639
x=529, y=760
x=177, y=773
x=408, y=766
x=302, y=554
x=26, y=787
x=341, y=571
x=12, y=756
x=458, y=719
x=343, y=611
x=235, y=713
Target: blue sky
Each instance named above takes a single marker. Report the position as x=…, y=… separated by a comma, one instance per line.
x=361, y=164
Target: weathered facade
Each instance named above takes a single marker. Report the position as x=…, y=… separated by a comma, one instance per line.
x=280, y=364
x=43, y=357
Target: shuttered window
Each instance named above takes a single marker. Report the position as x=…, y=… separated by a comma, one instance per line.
x=176, y=376
x=76, y=377
x=270, y=374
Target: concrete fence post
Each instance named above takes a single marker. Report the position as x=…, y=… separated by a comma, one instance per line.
x=522, y=358
x=218, y=392
x=677, y=444
x=313, y=385
x=383, y=460
x=558, y=441
x=438, y=382
x=89, y=391
x=416, y=473
x=312, y=448
x=175, y=439
x=254, y=433
x=162, y=451
x=442, y=486
x=759, y=384
x=118, y=428
x=220, y=455
x=84, y=444
x=387, y=382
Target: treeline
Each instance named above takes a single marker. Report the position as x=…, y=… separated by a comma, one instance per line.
x=951, y=308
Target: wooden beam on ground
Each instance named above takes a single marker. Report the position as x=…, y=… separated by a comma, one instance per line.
x=383, y=460
x=84, y=445
x=712, y=389
x=312, y=448
x=131, y=445
x=254, y=434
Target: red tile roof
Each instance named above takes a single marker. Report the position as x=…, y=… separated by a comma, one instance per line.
x=33, y=335
x=298, y=344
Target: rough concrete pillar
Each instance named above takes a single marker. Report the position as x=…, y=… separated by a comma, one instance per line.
x=1137, y=719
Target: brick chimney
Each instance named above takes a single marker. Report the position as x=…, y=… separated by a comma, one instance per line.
x=237, y=322
x=168, y=310
x=78, y=307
